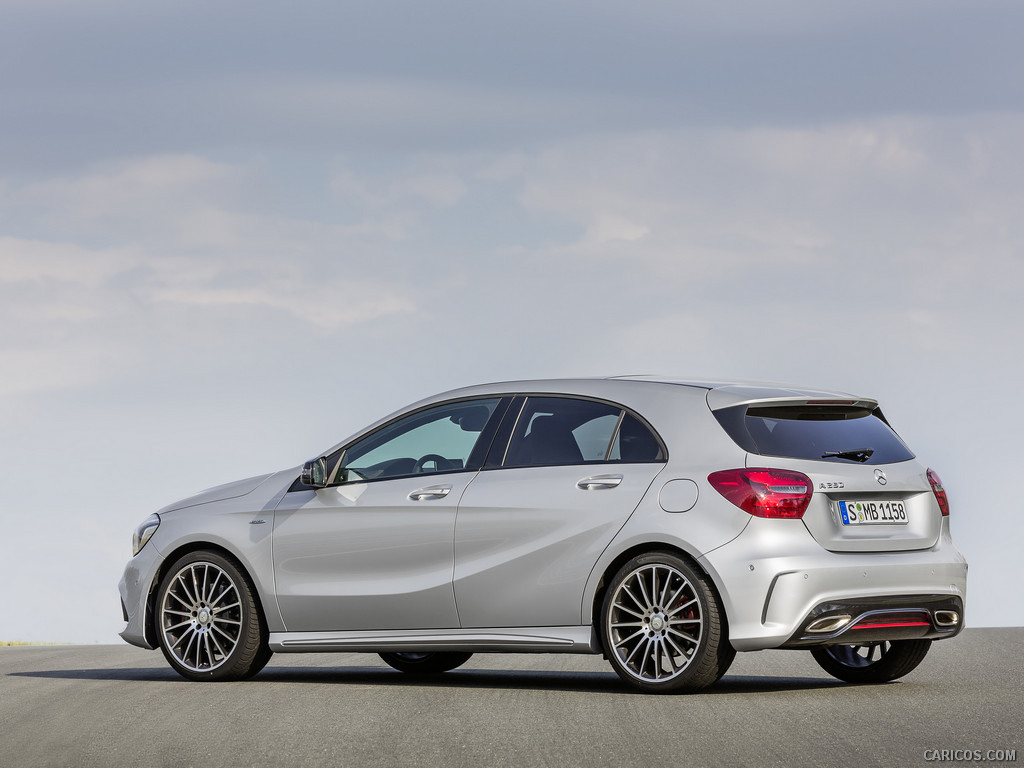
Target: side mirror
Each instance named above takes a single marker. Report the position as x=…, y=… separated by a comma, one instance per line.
x=314, y=472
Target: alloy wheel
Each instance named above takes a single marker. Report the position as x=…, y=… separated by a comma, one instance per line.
x=201, y=616
x=655, y=623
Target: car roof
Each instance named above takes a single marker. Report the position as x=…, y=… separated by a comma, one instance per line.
x=719, y=393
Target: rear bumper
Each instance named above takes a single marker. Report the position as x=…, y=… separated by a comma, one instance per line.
x=893, y=617
x=775, y=580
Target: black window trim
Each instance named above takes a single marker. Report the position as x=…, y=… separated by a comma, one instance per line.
x=615, y=433
x=495, y=458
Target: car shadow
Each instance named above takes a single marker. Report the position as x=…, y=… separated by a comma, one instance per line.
x=580, y=682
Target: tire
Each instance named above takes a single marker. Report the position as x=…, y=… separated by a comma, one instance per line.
x=663, y=627
x=871, y=662
x=208, y=623
x=425, y=663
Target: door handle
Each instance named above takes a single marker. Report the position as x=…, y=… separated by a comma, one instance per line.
x=430, y=492
x=599, y=482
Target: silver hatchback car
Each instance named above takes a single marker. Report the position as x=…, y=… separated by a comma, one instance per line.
x=665, y=524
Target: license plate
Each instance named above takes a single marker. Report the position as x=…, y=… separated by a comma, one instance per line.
x=873, y=513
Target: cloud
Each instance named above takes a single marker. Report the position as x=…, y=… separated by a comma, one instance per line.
x=146, y=198
x=403, y=195
x=181, y=252
x=902, y=195
x=100, y=81
x=53, y=296
x=329, y=307
x=895, y=213
x=35, y=261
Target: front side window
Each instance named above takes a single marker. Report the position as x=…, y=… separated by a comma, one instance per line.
x=560, y=430
x=438, y=439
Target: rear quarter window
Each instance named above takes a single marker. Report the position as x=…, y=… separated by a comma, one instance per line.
x=843, y=434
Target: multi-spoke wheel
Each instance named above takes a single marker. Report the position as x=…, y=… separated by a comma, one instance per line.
x=207, y=620
x=871, y=662
x=425, y=663
x=662, y=626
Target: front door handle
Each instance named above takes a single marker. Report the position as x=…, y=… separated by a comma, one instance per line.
x=430, y=492
x=599, y=482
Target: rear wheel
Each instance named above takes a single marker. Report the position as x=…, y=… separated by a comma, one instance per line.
x=663, y=627
x=208, y=622
x=872, y=662
x=425, y=663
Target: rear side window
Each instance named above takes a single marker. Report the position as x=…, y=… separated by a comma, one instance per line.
x=561, y=430
x=843, y=434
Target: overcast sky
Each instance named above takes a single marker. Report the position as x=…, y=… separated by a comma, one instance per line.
x=233, y=233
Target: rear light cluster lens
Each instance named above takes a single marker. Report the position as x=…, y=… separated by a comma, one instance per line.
x=765, y=492
x=939, y=491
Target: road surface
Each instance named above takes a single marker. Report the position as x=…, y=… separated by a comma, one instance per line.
x=115, y=706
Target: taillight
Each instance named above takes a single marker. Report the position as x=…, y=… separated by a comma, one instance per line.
x=765, y=492
x=939, y=491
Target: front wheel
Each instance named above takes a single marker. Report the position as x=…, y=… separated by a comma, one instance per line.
x=663, y=627
x=872, y=662
x=425, y=663
x=208, y=622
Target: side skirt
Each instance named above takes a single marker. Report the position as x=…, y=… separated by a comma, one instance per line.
x=498, y=640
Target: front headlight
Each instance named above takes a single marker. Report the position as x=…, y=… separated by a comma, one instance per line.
x=144, y=533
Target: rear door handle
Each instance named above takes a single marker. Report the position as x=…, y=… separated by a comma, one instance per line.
x=599, y=482
x=430, y=492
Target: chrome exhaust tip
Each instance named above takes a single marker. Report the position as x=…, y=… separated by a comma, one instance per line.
x=946, y=618
x=829, y=624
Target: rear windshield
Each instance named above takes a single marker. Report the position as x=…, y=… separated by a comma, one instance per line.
x=843, y=434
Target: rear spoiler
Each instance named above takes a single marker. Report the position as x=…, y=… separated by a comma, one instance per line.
x=733, y=395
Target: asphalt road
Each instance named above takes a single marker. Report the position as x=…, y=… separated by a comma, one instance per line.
x=115, y=706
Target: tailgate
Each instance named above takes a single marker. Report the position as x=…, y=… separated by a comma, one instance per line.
x=852, y=511
x=870, y=494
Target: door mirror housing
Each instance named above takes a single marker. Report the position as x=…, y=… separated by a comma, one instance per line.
x=314, y=472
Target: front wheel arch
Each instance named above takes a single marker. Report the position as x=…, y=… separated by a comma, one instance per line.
x=210, y=624
x=149, y=626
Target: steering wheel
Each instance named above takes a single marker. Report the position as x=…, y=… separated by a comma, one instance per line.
x=345, y=475
x=430, y=457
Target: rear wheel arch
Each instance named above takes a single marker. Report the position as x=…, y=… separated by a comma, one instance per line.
x=643, y=549
x=662, y=624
